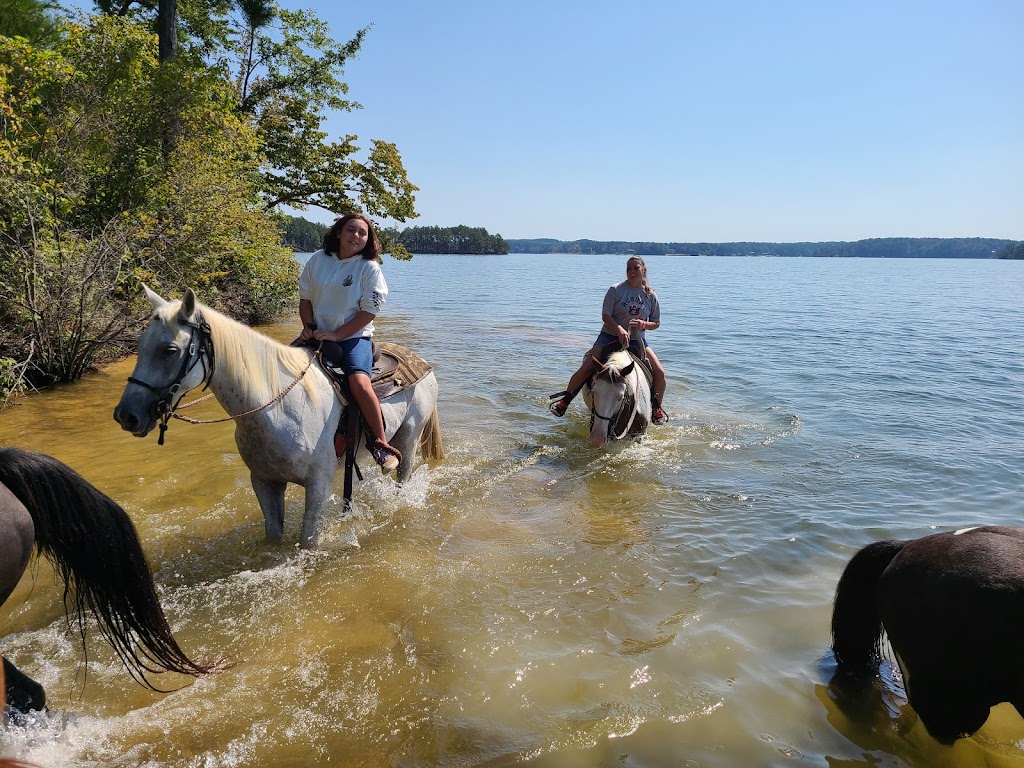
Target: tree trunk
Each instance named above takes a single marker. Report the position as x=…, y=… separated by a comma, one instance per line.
x=167, y=21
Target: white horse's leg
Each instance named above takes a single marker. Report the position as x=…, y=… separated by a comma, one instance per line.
x=405, y=440
x=270, y=495
x=317, y=494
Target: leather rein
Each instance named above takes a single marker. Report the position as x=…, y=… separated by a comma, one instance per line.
x=163, y=409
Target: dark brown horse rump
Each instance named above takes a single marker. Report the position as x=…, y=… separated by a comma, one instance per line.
x=952, y=606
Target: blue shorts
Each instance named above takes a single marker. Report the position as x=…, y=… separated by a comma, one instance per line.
x=604, y=339
x=351, y=355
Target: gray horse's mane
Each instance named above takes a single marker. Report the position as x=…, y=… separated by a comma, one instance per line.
x=240, y=348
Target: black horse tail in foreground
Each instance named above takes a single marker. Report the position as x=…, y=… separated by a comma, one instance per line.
x=952, y=606
x=94, y=548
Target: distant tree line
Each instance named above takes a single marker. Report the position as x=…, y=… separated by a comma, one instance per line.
x=302, y=235
x=460, y=239
x=1013, y=251
x=881, y=247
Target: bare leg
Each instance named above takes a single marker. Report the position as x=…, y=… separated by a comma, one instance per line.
x=576, y=381
x=658, y=390
x=585, y=372
x=369, y=406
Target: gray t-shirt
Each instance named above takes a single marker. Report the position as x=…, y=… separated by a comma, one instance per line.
x=625, y=303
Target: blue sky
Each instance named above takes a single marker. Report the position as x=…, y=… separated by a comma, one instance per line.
x=793, y=120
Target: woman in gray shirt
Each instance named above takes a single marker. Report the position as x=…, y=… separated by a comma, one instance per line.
x=630, y=309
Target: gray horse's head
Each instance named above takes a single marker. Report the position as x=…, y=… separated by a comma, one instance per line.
x=167, y=365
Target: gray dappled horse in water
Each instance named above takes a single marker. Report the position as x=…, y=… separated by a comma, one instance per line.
x=952, y=606
x=285, y=408
x=93, y=546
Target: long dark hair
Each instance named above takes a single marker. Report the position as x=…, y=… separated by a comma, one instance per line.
x=94, y=548
x=332, y=237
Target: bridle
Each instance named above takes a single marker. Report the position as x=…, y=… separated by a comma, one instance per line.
x=199, y=351
x=610, y=375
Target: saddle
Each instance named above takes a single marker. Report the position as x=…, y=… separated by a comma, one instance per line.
x=395, y=368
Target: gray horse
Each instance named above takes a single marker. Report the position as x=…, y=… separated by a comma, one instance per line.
x=284, y=406
x=619, y=398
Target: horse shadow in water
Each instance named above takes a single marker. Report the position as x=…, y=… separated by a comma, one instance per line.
x=952, y=606
x=284, y=406
x=93, y=546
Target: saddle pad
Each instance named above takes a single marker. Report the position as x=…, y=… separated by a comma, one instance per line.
x=396, y=369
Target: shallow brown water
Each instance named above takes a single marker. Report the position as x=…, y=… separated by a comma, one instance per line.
x=529, y=601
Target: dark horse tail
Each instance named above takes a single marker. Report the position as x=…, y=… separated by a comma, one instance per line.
x=856, y=623
x=94, y=547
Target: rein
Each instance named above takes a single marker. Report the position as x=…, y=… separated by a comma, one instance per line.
x=257, y=409
x=163, y=408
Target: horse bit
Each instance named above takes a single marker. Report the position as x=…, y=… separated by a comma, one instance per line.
x=164, y=407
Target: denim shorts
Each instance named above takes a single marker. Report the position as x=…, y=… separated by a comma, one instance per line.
x=351, y=355
x=604, y=339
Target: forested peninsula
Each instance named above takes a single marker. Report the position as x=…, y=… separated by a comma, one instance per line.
x=874, y=248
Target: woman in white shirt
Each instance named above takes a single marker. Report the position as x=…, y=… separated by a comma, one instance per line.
x=341, y=290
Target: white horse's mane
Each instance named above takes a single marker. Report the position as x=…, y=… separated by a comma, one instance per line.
x=618, y=360
x=238, y=347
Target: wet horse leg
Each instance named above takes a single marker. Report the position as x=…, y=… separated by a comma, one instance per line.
x=317, y=494
x=405, y=441
x=270, y=494
x=23, y=694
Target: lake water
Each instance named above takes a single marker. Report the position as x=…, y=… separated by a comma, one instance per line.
x=535, y=601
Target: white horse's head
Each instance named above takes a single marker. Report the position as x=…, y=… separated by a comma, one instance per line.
x=170, y=363
x=618, y=401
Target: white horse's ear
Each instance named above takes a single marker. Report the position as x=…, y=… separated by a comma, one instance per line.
x=188, y=304
x=153, y=297
x=597, y=363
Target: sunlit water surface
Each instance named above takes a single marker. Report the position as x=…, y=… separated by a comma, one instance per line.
x=532, y=600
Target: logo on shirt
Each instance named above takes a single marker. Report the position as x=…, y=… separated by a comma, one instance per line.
x=347, y=281
x=634, y=306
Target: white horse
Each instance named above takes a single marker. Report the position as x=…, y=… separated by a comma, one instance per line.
x=619, y=398
x=285, y=409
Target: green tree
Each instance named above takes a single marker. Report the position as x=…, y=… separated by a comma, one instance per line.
x=1013, y=251
x=94, y=207
x=289, y=76
x=34, y=20
x=287, y=67
x=303, y=235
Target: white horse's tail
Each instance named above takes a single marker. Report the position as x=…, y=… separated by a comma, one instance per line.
x=431, y=448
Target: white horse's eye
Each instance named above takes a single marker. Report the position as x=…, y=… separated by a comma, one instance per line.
x=171, y=350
